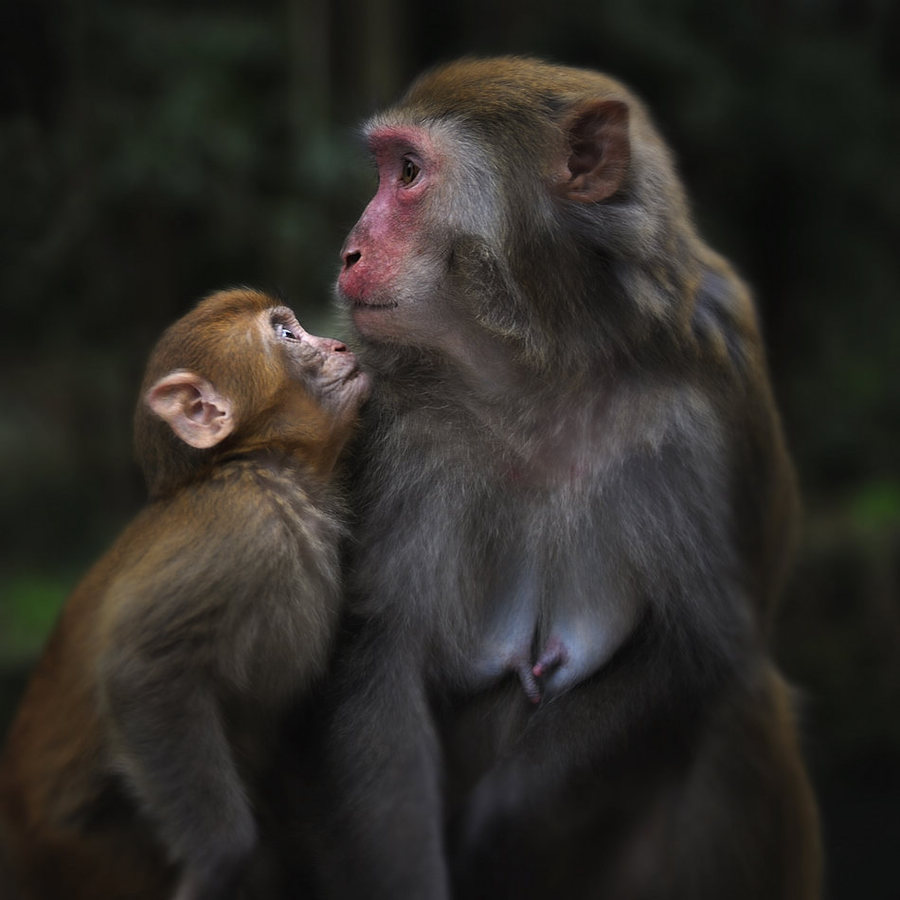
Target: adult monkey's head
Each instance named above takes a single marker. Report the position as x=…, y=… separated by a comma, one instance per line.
x=526, y=205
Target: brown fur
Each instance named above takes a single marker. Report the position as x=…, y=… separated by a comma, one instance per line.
x=130, y=766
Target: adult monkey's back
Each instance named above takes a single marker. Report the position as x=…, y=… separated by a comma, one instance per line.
x=576, y=515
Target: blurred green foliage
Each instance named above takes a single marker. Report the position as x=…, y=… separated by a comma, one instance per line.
x=876, y=508
x=152, y=152
x=29, y=610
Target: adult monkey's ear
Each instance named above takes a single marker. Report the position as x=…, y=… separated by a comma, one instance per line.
x=198, y=414
x=598, y=152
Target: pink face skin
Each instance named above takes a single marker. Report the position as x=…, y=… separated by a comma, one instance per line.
x=381, y=270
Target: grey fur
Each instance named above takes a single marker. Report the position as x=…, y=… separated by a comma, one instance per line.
x=585, y=451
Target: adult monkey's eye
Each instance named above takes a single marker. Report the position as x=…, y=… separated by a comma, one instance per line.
x=409, y=171
x=284, y=332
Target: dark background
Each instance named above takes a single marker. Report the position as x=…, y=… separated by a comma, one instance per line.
x=150, y=153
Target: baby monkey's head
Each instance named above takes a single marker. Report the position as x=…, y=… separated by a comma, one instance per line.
x=239, y=374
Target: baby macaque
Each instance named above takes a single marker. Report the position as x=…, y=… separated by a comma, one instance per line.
x=129, y=768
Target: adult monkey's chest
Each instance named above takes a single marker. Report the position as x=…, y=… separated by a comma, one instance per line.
x=497, y=548
x=510, y=581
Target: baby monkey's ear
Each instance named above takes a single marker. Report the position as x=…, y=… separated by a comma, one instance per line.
x=198, y=414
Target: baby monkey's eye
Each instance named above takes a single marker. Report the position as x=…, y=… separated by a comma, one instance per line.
x=284, y=332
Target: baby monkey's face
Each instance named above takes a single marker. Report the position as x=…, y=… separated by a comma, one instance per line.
x=323, y=366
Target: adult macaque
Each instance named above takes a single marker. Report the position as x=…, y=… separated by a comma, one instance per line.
x=578, y=512
x=129, y=768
